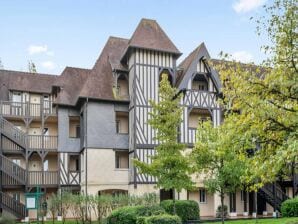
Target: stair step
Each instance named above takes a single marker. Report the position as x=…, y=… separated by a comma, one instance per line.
x=12, y=205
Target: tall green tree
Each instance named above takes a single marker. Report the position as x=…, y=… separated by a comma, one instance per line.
x=215, y=158
x=169, y=164
x=267, y=97
x=32, y=67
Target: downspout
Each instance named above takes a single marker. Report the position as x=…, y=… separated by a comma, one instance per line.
x=86, y=135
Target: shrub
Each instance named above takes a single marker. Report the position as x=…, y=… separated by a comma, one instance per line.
x=160, y=219
x=6, y=220
x=128, y=215
x=218, y=211
x=185, y=209
x=289, y=208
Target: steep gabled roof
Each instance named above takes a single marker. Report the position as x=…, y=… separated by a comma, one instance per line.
x=185, y=64
x=99, y=84
x=149, y=35
x=71, y=82
x=189, y=65
x=26, y=81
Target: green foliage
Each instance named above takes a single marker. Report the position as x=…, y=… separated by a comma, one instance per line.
x=168, y=164
x=6, y=220
x=219, y=211
x=185, y=209
x=289, y=208
x=159, y=219
x=32, y=67
x=216, y=158
x=267, y=97
x=129, y=214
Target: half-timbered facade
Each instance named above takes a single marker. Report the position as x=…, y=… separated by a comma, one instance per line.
x=79, y=131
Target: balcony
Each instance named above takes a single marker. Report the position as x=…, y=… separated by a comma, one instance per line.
x=19, y=109
x=200, y=99
x=45, y=142
x=48, y=178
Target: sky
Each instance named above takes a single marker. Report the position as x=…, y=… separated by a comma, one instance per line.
x=59, y=33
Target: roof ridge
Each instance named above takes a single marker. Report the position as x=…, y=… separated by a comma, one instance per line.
x=28, y=73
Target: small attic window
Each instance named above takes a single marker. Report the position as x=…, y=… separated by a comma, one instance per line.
x=200, y=83
x=169, y=75
x=121, y=87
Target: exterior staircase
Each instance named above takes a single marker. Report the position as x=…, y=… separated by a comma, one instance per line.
x=273, y=195
x=13, y=206
x=13, y=133
x=11, y=174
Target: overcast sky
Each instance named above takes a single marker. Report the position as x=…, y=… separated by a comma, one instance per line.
x=58, y=33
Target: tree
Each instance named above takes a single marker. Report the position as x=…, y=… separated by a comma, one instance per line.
x=53, y=206
x=168, y=165
x=1, y=65
x=216, y=159
x=267, y=97
x=32, y=67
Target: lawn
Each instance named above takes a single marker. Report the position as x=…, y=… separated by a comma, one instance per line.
x=263, y=221
x=260, y=221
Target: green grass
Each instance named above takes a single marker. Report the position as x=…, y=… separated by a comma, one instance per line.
x=262, y=221
x=251, y=221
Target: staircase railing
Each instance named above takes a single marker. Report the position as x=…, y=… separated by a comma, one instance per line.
x=13, y=170
x=13, y=132
x=274, y=195
x=13, y=205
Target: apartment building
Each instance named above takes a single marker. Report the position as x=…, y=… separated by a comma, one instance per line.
x=80, y=130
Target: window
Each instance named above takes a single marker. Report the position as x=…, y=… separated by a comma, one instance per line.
x=121, y=160
x=203, y=196
x=77, y=165
x=16, y=97
x=16, y=196
x=200, y=83
x=168, y=73
x=46, y=165
x=74, y=127
x=121, y=122
x=117, y=126
x=78, y=131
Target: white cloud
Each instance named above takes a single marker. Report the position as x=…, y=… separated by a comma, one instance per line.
x=38, y=49
x=48, y=65
x=242, y=56
x=243, y=6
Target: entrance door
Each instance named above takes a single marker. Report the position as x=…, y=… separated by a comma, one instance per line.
x=251, y=201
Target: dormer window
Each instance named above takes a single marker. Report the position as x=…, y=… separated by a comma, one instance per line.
x=199, y=83
x=121, y=87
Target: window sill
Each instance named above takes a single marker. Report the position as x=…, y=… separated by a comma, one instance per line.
x=122, y=169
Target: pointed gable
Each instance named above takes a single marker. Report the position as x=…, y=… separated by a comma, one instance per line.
x=189, y=65
x=149, y=35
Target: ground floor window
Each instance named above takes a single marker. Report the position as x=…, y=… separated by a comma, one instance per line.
x=202, y=195
x=121, y=160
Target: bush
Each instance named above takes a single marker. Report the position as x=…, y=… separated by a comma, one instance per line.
x=160, y=219
x=289, y=208
x=185, y=209
x=6, y=220
x=218, y=211
x=129, y=215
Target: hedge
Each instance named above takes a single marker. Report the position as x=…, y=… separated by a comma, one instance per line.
x=185, y=209
x=289, y=208
x=129, y=214
x=160, y=219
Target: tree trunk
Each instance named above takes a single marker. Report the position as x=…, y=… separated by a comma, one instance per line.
x=174, y=202
x=222, y=197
